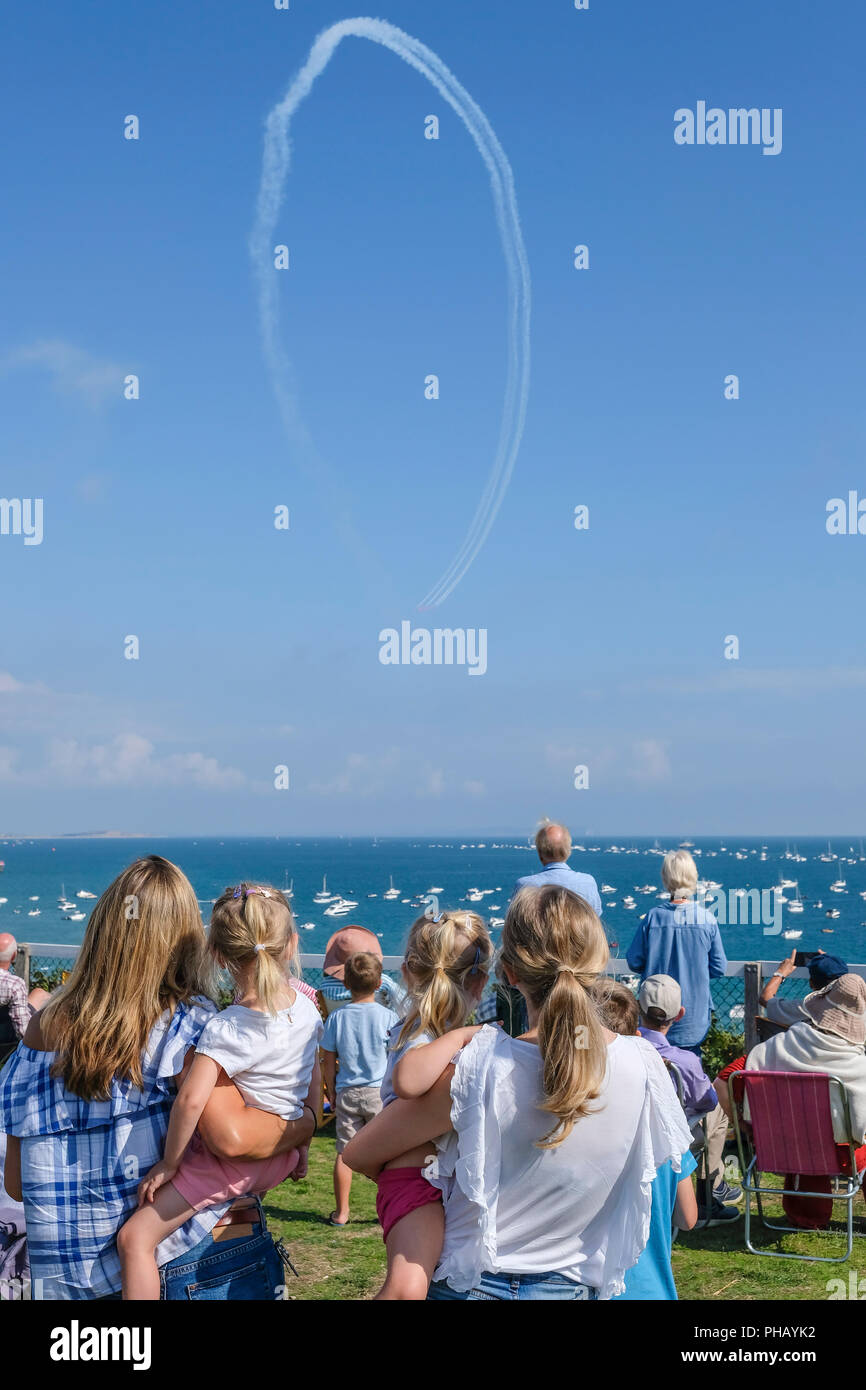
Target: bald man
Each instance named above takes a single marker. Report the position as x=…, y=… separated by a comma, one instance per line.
x=13, y=993
x=553, y=843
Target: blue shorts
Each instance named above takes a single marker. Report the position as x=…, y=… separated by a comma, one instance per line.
x=496, y=1288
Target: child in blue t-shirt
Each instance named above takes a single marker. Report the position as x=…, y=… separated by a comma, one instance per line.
x=673, y=1196
x=355, y=1040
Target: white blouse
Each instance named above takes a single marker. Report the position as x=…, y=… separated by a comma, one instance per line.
x=581, y=1209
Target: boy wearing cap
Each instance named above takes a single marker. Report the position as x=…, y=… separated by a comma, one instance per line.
x=661, y=1006
x=355, y=1040
x=340, y=947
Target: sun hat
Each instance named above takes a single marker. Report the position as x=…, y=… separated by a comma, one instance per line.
x=660, y=998
x=345, y=943
x=840, y=1008
x=824, y=969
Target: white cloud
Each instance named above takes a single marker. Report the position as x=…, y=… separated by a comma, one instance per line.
x=130, y=760
x=650, y=761
x=75, y=371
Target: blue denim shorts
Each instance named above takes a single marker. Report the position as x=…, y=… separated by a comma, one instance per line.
x=248, y=1268
x=499, y=1288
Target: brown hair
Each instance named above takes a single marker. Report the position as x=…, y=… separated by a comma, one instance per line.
x=444, y=957
x=617, y=1007
x=363, y=973
x=252, y=925
x=554, y=945
x=142, y=953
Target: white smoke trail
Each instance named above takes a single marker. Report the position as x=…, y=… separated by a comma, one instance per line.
x=275, y=167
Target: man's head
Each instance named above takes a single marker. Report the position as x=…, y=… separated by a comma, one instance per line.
x=824, y=969
x=363, y=974
x=553, y=842
x=8, y=950
x=661, y=1003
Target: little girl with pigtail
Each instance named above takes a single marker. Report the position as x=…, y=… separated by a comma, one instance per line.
x=267, y=1043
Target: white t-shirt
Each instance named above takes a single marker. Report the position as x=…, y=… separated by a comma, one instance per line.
x=395, y=1053
x=581, y=1209
x=269, y=1058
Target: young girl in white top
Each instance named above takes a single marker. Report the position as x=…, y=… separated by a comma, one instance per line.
x=445, y=968
x=267, y=1042
x=559, y=1133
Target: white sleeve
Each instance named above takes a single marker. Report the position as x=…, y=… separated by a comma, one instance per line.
x=228, y=1045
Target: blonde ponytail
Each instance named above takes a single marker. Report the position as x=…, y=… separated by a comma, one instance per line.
x=554, y=945
x=253, y=926
x=445, y=956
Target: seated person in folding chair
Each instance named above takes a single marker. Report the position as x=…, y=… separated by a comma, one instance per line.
x=660, y=1003
x=830, y=1039
x=673, y=1197
x=823, y=969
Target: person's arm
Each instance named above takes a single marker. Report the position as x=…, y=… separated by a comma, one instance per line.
x=785, y=968
x=718, y=961
x=329, y=1072
x=12, y=1168
x=314, y=1096
x=402, y=1125
x=420, y=1067
x=233, y=1130
x=636, y=953
x=194, y=1094
x=686, y=1206
x=19, y=1009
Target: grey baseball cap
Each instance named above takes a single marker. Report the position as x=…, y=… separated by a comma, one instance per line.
x=660, y=997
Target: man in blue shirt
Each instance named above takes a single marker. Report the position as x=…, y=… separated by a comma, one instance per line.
x=553, y=843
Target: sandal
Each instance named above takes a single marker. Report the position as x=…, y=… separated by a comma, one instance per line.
x=338, y=1224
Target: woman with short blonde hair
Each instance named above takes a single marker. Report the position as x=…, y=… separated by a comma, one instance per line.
x=681, y=938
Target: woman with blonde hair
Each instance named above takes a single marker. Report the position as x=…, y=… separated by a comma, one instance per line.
x=681, y=938
x=86, y=1100
x=559, y=1133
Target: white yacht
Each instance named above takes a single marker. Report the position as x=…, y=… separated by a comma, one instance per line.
x=607, y=888
x=391, y=892
x=340, y=907
x=34, y=912
x=83, y=893
x=792, y=935
x=796, y=903
x=840, y=886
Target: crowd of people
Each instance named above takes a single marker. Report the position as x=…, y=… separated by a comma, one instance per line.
x=550, y=1158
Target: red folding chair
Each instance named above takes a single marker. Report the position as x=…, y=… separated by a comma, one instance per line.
x=790, y=1130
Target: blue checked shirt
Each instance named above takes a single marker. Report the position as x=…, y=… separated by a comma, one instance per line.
x=81, y=1161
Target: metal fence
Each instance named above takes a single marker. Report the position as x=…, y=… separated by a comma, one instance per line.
x=735, y=995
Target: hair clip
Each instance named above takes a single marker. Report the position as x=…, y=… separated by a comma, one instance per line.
x=259, y=947
x=438, y=917
x=474, y=970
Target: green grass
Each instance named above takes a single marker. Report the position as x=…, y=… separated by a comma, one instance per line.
x=339, y=1264
x=708, y=1265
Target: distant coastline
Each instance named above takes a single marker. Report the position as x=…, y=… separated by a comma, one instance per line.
x=84, y=835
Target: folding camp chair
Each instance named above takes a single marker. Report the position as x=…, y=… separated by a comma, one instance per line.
x=790, y=1131
x=677, y=1078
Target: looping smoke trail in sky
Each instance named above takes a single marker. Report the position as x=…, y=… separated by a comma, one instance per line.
x=275, y=167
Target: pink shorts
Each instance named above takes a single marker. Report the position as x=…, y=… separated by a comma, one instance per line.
x=402, y=1190
x=203, y=1180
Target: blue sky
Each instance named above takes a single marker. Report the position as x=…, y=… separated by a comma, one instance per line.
x=260, y=647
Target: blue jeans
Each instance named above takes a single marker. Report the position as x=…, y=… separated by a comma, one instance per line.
x=248, y=1268
x=495, y=1288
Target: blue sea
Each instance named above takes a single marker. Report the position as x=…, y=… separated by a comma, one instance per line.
x=361, y=870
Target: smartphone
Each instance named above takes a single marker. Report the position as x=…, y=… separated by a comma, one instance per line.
x=803, y=957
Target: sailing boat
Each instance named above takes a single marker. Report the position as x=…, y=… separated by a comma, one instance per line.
x=796, y=903
x=391, y=891
x=323, y=896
